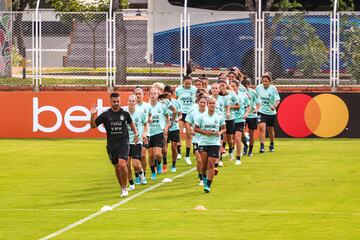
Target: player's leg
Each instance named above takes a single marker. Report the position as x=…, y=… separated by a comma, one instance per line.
x=143, y=159
x=151, y=161
x=238, y=137
x=204, y=163
x=198, y=163
x=129, y=171
x=213, y=155
x=252, y=125
x=230, y=130
x=136, y=156
x=271, y=131
x=174, y=154
x=164, y=153
x=262, y=131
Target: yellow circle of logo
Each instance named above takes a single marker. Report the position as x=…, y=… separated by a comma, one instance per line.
x=326, y=115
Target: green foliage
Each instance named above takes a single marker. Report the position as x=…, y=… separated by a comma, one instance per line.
x=305, y=42
x=286, y=5
x=350, y=29
x=344, y=5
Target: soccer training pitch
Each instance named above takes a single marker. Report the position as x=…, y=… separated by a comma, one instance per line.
x=307, y=189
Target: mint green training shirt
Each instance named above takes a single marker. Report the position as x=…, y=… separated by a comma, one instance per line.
x=186, y=97
x=268, y=97
x=208, y=122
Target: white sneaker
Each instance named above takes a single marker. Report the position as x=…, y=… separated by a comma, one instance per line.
x=201, y=183
x=124, y=193
x=232, y=158
x=237, y=162
x=131, y=187
x=221, y=164
x=188, y=161
x=178, y=156
x=241, y=153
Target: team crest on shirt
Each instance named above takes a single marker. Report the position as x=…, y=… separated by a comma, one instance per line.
x=122, y=117
x=159, y=111
x=216, y=121
x=136, y=119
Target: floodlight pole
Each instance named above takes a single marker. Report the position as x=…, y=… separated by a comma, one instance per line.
x=259, y=36
x=37, y=50
x=185, y=43
x=334, y=37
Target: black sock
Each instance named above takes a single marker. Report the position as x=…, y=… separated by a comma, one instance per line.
x=131, y=182
x=144, y=173
x=136, y=174
x=200, y=177
x=173, y=163
x=238, y=158
x=230, y=150
x=261, y=145
x=203, y=176
x=220, y=156
x=216, y=164
x=179, y=149
x=140, y=173
x=251, y=148
x=152, y=169
x=224, y=144
x=209, y=182
x=187, y=152
x=165, y=160
x=271, y=144
x=157, y=163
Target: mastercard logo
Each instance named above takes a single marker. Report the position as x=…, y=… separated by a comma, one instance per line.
x=324, y=115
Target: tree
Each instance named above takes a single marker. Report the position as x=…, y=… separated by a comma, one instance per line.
x=18, y=31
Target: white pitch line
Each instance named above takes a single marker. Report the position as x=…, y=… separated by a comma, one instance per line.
x=75, y=224
x=189, y=209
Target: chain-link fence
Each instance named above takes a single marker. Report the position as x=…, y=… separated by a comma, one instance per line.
x=16, y=44
x=349, y=48
x=297, y=47
x=86, y=48
x=219, y=42
x=73, y=48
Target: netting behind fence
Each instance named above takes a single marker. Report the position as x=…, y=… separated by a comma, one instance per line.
x=297, y=47
x=349, y=64
x=220, y=42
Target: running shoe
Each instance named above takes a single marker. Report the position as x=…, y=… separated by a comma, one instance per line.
x=164, y=168
x=237, y=162
x=221, y=164
x=250, y=154
x=137, y=180
x=144, y=181
x=232, y=157
x=188, y=161
x=131, y=187
x=245, y=149
x=153, y=176
x=173, y=169
x=204, y=181
x=262, y=150
x=201, y=183
x=124, y=193
x=271, y=148
x=178, y=156
x=206, y=188
x=158, y=168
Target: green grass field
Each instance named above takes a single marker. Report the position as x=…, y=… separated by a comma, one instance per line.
x=307, y=189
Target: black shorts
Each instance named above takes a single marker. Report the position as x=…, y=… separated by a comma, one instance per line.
x=183, y=117
x=120, y=152
x=135, y=151
x=195, y=147
x=251, y=123
x=212, y=151
x=156, y=141
x=173, y=136
x=230, y=126
x=269, y=120
x=239, y=127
